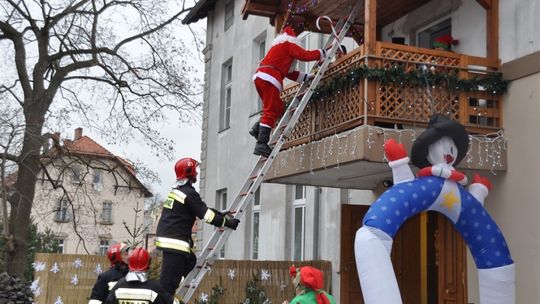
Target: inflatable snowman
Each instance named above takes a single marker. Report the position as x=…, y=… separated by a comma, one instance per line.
x=437, y=187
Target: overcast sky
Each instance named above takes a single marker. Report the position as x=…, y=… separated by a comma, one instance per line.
x=187, y=137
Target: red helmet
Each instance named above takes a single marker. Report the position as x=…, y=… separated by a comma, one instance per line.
x=139, y=260
x=186, y=168
x=114, y=253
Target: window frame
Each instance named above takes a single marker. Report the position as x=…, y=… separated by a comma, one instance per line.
x=430, y=25
x=228, y=20
x=110, y=212
x=221, y=205
x=61, y=245
x=255, y=237
x=76, y=175
x=299, y=203
x=226, y=95
x=61, y=213
x=104, y=247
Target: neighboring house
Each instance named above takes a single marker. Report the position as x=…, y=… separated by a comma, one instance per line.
x=337, y=146
x=102, y=192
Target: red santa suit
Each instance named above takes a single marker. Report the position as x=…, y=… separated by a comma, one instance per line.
x=275, y=66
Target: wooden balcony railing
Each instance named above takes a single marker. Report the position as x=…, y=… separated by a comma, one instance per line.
x=376, y=102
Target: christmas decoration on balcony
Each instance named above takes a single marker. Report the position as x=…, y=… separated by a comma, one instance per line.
x=441, y=188
x=489, y=151
x=490, y=83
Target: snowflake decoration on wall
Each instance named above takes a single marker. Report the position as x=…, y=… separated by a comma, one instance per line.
x=282, y=286
x=74, y=280
x=55, y=269
x=204, y=297
x=98, y=269
x=58, y=300
x=265, y=275
x=35, y=287
x=39, y=266
x=231, y=274
x=77, y=263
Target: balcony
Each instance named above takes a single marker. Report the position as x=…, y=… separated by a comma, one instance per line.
x=378, y=91
x=389, y=103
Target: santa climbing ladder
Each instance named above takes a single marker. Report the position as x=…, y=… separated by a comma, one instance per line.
x=268, y=79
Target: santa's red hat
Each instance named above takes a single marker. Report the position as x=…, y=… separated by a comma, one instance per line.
x=312, y=278
x=445, y=42
x=289, y=31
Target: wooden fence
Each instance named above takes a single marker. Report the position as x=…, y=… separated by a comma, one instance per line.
x=69, y=278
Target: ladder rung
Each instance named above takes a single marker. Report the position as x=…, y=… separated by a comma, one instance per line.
x=221, y=229
x=292, y=109
x=244, y=193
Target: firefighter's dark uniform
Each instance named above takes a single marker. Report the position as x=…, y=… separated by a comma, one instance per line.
x=133, y=290
x=106, y=282
x=182, y=207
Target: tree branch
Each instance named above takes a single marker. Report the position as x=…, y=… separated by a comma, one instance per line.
x=20, y=56
x=150, y=31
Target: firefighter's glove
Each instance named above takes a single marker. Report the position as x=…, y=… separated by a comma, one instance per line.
x=231, y=223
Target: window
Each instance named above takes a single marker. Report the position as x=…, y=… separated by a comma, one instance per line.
x=106, y=213
x=221, y=205
x=226, y=96
x=96, y=181
x=103, y=247
x=261, y=52
x=229, y=15
x=76, y=175
x=299, y=209
x=255, y=225
x=427, y=35
x=62, y=211
x=299, y=192
x=61, y=246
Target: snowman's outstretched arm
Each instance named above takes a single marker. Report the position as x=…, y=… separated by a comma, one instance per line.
x=398, y=161
x=480, y=188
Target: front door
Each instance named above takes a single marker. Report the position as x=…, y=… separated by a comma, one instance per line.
x=428, y=257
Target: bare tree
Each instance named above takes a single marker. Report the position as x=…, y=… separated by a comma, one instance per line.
x=87, y=57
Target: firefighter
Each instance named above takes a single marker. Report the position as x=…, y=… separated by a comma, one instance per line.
x=135, y=288
x=118, y=255
x=182, y=207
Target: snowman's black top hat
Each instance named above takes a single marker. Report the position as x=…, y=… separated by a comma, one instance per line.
x=439, y=125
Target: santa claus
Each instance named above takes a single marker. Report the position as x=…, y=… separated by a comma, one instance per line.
x=268, y=80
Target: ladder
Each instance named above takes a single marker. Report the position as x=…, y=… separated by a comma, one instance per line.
x=209, y=254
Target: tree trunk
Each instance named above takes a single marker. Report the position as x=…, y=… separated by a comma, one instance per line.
x=25, y=186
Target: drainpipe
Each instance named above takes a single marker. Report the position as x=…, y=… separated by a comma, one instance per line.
x=316, y=222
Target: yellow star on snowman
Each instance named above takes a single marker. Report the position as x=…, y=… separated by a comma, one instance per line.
x=450, y=199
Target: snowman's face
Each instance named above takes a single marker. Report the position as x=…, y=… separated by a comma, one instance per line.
x=443, y=151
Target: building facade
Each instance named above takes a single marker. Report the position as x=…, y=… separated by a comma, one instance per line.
x=94, y=195
x=301, y=222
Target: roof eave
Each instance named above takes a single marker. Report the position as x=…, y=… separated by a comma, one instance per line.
x=199, y=11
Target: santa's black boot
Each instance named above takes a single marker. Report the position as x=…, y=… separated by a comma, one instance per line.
x=262, y=148
x=255, y=130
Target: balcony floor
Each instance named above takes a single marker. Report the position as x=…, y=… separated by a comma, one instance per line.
x=354, y=159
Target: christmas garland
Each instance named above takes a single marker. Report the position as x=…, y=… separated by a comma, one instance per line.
x=492, y=83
